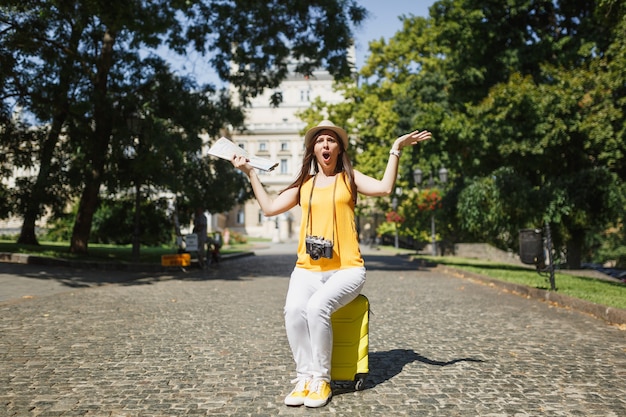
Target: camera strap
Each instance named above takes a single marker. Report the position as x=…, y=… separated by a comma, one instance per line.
x=308, y=216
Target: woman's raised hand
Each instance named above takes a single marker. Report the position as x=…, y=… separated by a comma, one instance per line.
x=412, y=138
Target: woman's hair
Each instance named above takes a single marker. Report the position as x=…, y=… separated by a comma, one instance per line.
x=309, y=164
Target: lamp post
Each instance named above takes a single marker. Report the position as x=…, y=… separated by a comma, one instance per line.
x=136, y=124
x=394, y=206
x=443, y=178
x=276, y=237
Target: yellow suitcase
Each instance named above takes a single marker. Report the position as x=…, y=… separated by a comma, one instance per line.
x=350, y=360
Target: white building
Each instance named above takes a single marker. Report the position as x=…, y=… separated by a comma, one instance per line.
x=276, y=133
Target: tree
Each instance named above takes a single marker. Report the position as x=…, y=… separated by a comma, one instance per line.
x=155, y=149
x=87, y=67
x=551, y=137
x=493, y=209
x=33, y=87
x=525, y=94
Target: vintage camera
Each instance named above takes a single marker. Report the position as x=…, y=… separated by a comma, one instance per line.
x=318, y=247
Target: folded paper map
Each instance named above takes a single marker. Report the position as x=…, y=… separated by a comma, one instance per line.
x=225, y=149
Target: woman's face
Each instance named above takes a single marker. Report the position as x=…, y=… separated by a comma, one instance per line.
x=327, y=149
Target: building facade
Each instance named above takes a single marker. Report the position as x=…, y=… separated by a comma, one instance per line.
x=276, y=133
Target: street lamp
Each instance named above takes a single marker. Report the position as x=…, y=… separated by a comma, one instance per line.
x=135, y=123
x=443, y=178
x=394, y=206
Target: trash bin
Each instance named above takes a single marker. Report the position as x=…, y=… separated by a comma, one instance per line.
x=531, y=246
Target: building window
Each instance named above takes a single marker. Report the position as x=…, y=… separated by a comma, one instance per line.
x=284, y=166
x=305, y=95
x=261, y=217
x=263, y=147
x=284, y=146
x=241, y=218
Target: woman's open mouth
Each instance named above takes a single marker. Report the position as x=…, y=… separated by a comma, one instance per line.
x=326, y=156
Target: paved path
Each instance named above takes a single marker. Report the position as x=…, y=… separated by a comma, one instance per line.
x=92, y=343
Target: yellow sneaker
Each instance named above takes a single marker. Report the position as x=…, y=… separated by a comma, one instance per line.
x=297, y=396
x=319, y=394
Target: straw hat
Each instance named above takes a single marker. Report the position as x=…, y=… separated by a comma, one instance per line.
x=326, y=125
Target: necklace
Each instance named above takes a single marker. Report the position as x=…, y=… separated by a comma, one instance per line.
x=309, y=218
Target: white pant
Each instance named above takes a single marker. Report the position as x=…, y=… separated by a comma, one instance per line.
x=311, y=300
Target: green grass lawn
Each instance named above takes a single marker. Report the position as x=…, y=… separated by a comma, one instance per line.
x=598, y=291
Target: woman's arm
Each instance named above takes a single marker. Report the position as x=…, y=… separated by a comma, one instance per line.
x=369, y=186
x=282, y=203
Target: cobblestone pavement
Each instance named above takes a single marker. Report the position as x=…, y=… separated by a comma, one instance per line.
x=212, y=343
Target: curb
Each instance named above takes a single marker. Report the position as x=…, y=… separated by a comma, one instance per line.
x=611, y=315
x=21, y=258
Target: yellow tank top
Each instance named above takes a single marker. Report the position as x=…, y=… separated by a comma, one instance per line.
x=346, y=251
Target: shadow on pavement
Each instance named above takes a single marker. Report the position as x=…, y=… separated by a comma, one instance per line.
x=394, y=263
x=386, y=365
x=244, y=268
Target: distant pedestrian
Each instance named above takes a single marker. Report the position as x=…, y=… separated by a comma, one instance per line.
x=329, y=271
x=226, y=237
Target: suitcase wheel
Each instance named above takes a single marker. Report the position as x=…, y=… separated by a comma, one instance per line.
x=359, y=382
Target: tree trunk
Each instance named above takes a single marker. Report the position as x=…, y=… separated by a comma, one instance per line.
x=39, y=190
x=137, y=221
x=27, y=233
x=61, y=103
x=82, y=225
x=98, y=151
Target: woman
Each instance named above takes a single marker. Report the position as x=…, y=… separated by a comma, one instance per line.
x=329, y=271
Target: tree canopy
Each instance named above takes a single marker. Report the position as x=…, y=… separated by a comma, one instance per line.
x=82, y=71
x=525, y=100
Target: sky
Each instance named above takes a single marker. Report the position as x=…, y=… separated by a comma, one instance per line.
x=383, y=21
